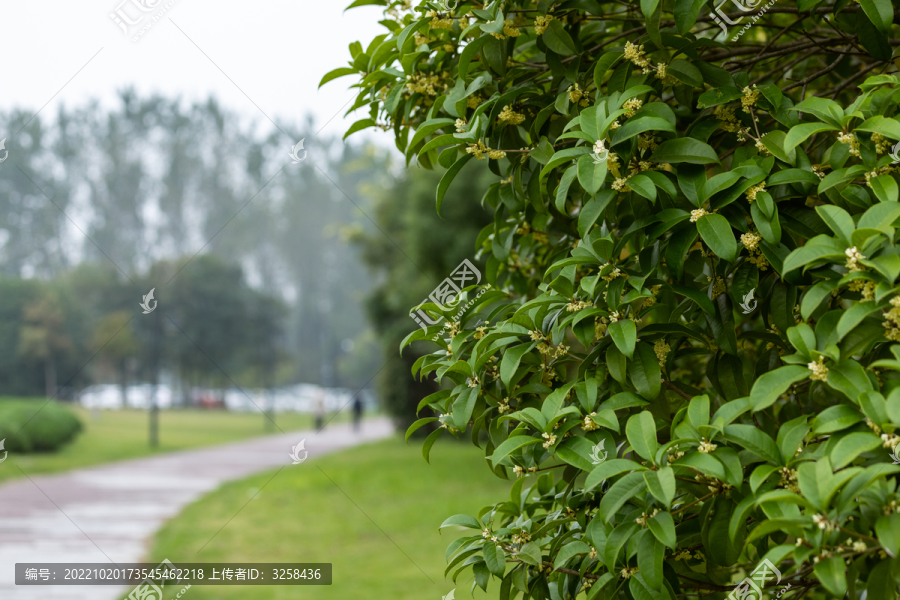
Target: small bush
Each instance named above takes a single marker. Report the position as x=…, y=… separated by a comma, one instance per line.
x=51, y=428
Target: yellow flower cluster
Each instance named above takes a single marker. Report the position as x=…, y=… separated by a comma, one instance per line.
x=601, y=324
x=621, y=185
x=551, y=439
x=748, y=100
x=480, y=331
x=503, y=406
x=706, y=447
x=613, y=273
x=819, y=370
x=647, y=142
x=510, y=29
x=479, y=150
x=754, y=190
x=892, y=321
x=424, y=84
x=631, y=105
x=437, y=22
x=575, y=93
x=850, y=138
x=541, y=23
x=589, y=424
x=853, y=258
x=635, y=54
x=881, y=144
x=508, y=115
x=759, y=260
x=789, y=480
x=697, y=214
x=474, y=100
x=751, y=240
x=730, y=122
x=718, y=287
x=461, y=125
x=866, y=288
x=612, y=163
x=576, y=305
x=661, y=348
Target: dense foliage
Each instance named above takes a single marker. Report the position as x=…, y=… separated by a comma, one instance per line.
x=412, y=250
x=22, y=433
x=688, y=363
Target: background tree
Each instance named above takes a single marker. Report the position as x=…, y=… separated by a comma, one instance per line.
x=654, y=171
x=43, y=337
x=413, y=250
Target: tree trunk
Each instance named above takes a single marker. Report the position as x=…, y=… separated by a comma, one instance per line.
x=50, y=377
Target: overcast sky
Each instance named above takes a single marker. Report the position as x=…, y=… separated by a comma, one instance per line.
x=258, y=58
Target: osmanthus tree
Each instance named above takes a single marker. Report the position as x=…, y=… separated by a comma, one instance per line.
x=689, y=364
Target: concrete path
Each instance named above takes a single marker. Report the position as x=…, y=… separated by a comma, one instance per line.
x=111, y=511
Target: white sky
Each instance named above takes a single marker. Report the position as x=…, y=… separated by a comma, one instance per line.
x=276, y=51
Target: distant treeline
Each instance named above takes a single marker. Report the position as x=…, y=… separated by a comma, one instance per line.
x=98, y=206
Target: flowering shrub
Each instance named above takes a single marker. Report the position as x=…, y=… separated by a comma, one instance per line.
x=688, y=363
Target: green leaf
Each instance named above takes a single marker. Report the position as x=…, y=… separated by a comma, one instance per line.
x=461, y=521
x=661, y=484
x=773, y=384
x=511, y=445
x=418, y=424
x=591, y=175
x=619, y=493
x=887, y=528
x=448, y=178
x=530, y=553
x=610, y=468
x=645, y=372
x=754, y=440
x=650, y=553
x=684, y=150
x=849, y=447
x=568, y=551
x=624, y=333
x=717, y=234
x=339, y=72
x=800, y=133
x=880, y=12
x=641, y=433
x=685, y=72
x=662, y=525
x=558, y=39
x=853, y=317
x=509, y=364
x=831, y=572
x=495, y=559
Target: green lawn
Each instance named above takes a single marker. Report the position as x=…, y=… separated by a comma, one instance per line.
x=349, y=509
x=119, y=434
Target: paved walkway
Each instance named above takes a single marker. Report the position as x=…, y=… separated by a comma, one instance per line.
x=70, y=517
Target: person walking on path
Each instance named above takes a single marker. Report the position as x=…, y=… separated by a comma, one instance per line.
x=357, y=411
